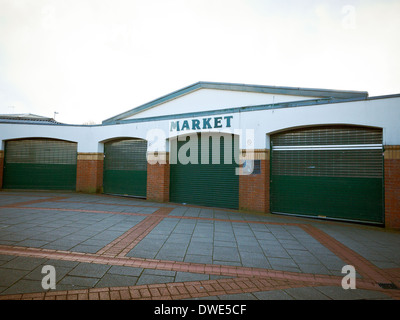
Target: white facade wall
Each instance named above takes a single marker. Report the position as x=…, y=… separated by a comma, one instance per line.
x=212, y=99
x=383, y=113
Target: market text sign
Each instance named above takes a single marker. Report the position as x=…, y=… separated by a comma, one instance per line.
x=201, y=124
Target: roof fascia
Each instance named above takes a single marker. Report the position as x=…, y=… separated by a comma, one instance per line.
x=306, y=92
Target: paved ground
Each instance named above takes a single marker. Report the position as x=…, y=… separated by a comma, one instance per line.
x=107, y=247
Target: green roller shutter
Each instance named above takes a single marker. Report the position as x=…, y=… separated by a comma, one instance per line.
x=210, y=179
x=40, y=164
x=332, y=172
x=125, y=167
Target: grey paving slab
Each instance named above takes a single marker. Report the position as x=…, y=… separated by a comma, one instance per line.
x=44, y=235
x=205, y=249
x=226, y=254
x=174, y=248
x=303, y=257
x=246, y=244
x=246, y=240
x=276, y=263
x=338, y=293
x=72, y=275
x=76, y=282
x=314, y=268
x=204, y=298
x=276, y=252
x=22, y=263
x=37, y=274
x=61, y=263
x=306, y=293
x=225, y=243
x=202, y=240
x=8, y=243
x=255, y=260
x=179, y=238
x=89, y=270
x=164, y=255
x=184, y=229
x=32, y=243
x=238, y=296
x=5, y=257
x=24, y=286
x=153, y=279
x=330, y=261
x=159, y=272
x=328, y=293
x=372, y=295
x=13, y=237
x=95, y=242
x=252, y=248
x=142, y=253
x=187, y=276
x=372, y=244
x=126, y=271
x=198, y=258
x=228, y=263
x=116, y=280
x=9, y=276
x=87, y=248
x=272, y=295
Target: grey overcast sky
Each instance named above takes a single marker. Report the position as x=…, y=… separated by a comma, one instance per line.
x=89, y=60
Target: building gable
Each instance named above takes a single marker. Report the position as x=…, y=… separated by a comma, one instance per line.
x=210, y=96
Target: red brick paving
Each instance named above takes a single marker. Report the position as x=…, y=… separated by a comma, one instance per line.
x=362, y=265
x=244, y=279
x=180, y=290
x=25, y=203
x=126, y=242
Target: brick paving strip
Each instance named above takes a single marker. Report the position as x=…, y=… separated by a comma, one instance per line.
x=126, y=242
x=213, y=269
x=362, y=265
x=246, y=279
x=25, y=203
x=167, y=291
x=107, y=204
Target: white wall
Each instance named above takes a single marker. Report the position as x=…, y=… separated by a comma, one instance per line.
x=212, y=99
x=383, y=113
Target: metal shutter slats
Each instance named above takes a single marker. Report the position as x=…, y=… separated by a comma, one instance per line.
x=335, y=172
x=125, y=167
x=40, y=164
x=213, y=184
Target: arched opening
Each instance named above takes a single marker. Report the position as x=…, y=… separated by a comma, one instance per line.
x=203, y=170
x=125, y=167
x=333, y=172
x=40, y=163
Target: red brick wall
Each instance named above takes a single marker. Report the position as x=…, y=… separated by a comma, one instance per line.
x=392, y=187
x=254, y=189
x=89, y=173
x=158, y=182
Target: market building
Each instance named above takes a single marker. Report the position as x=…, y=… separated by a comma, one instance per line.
x=328, y=154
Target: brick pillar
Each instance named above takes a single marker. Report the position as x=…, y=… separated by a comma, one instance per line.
x=1, y=168
x=89, y=172
x=392, y=187
x=254, y=188
x=158, y=177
